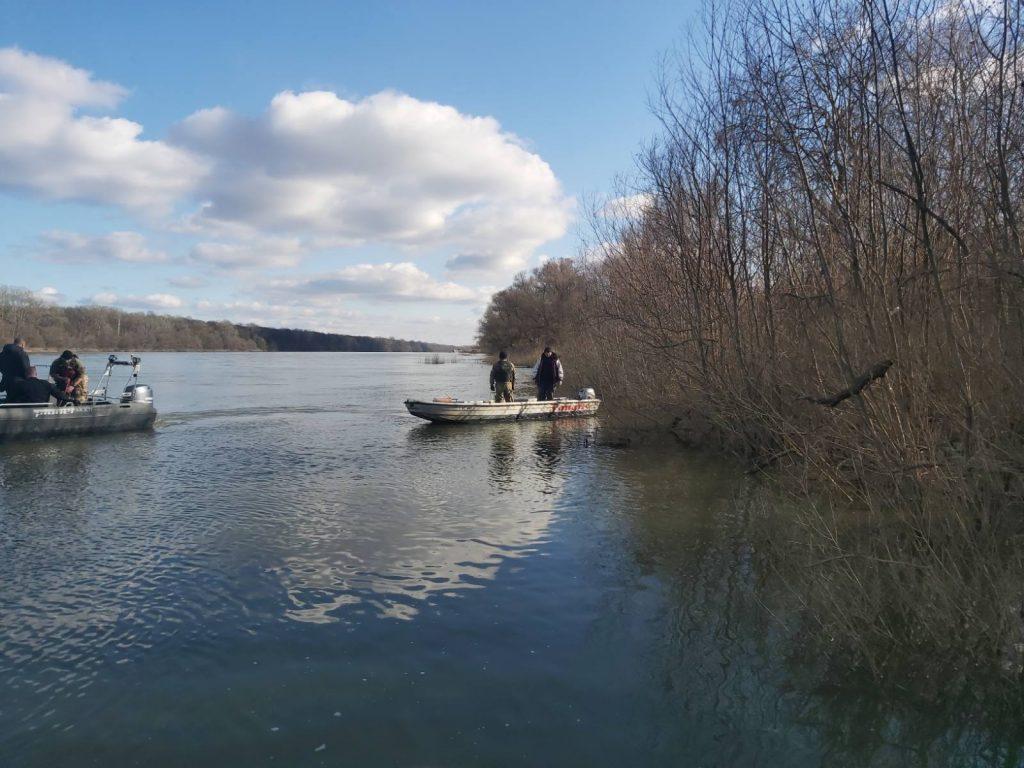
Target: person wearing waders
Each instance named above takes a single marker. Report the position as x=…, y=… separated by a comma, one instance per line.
x=548, y=374
x=503, y=379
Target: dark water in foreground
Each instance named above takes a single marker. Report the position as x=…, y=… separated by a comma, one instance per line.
x=292, y=571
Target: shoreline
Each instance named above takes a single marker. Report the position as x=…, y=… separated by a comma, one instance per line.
x=92, y=351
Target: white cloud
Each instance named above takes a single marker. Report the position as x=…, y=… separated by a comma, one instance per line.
x=267, y=313
x=388, y=168
x=190, y=282
x=48, y=148
x=156, y=301
x=392, y=282
x=53, y=80
x=329, y=315
x=250, y=254
x=74, y=248
x=49, y=295
x=599, y=251
x=488, y=264
x=312, y=173
x=627, y=206
x=152, y=301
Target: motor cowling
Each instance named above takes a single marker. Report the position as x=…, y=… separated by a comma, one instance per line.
x=137, y=393
x=587, y=393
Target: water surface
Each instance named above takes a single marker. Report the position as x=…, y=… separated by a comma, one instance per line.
x=291, y=570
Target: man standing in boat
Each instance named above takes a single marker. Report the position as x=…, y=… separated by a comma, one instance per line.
x=503, y=379
x=14, y=363
x=547, y=374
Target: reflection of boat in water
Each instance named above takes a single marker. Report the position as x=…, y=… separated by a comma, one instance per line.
x=132, y=411
x=450, y=410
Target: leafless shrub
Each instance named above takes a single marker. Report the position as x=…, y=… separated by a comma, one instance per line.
x=824, y=273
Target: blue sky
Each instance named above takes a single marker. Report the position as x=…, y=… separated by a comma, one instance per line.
x=319, y=165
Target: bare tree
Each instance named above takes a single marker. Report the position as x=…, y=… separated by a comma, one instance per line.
x=826, y=274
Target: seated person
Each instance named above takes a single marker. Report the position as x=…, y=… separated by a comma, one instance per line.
x=14, y=362
x=33, y=390
x=69, y=374
x=58, y=369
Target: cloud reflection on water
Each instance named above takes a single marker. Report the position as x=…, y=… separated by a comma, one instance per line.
x=467, y=500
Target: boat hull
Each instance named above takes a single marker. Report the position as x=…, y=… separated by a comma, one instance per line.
x=482, y=410
x=34, y=421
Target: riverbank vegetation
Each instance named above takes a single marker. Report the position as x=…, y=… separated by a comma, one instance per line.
x=106, y=329
x=819, y=266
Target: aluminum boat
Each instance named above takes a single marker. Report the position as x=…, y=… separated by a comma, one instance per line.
x=132, y=410
x=452, y=411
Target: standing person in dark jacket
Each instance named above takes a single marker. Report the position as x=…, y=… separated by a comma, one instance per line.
x=547, y=374
x=14, y=363
x=503, y=379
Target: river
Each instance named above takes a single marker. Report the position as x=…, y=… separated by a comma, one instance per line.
x=291, y=570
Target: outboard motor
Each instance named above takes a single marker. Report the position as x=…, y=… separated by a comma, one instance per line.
x=587, y=393
x=137, y=393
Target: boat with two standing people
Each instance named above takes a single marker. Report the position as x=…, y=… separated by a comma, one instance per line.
x=449, y=410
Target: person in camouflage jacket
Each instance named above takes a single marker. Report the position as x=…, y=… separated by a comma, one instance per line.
x=68, y=372
x=503, y=379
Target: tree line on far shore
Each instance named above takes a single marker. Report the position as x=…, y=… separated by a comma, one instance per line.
x=819, y=266
x=106, y=329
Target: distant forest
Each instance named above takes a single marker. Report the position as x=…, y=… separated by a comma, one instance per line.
x=102, y=328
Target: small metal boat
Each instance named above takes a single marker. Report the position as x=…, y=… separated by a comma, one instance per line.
x=452, y=411
x=132, y=410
